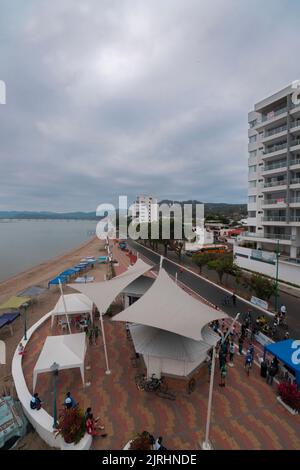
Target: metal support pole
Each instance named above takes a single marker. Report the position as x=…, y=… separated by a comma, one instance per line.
x=25, y=322
x=276, y=282
x=108, y=371
x=206, y=445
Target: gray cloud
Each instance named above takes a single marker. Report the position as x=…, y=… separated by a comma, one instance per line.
x=107, y=97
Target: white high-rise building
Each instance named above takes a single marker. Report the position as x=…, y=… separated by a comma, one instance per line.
x=145, y=209
x=274, y=174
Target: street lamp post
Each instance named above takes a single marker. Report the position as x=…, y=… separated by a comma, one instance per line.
x=276, y=282
x=26, y=305
x=206, y=445
x=54, y=369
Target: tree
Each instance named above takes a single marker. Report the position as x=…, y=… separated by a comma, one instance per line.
x=263, y=287
x=224, y=264
x=202, y=259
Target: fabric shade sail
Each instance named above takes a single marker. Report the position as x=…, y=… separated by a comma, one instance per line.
x=14, y=303
x=72, y=304
x=104, y=293
x=67, y=351
x=160, y=343
x=168, y=307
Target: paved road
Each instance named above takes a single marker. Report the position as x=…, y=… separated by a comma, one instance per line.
x=209, y=291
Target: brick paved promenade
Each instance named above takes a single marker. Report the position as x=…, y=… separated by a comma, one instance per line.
x=246, y=414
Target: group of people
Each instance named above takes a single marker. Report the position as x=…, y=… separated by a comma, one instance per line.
x=156, y=444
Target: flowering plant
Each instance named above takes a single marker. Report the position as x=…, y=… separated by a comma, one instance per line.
x=290, y=395
x=71, y=425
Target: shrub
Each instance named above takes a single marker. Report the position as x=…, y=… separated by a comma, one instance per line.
x=141, y=442
x=290, y=395
x=71, y=425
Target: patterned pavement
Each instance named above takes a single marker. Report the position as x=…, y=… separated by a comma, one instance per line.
x=246, y=414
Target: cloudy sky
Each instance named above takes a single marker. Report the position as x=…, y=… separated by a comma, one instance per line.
x=108, y=97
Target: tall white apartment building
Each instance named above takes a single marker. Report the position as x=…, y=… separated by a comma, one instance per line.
x=145, y=209
x=274, y=174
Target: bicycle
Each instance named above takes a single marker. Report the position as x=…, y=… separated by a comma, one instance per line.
x=151, y=385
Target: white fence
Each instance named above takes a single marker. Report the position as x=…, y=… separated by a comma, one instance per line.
x=287, y=272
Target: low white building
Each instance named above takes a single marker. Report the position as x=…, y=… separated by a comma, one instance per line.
x=202, y=237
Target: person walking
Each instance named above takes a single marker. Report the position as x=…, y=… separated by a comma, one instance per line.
x=248, y=362
x=233, y=298
x=271, y=372
x=241, y=344
x=223, y=375
x=96, y=334
x=231, y=353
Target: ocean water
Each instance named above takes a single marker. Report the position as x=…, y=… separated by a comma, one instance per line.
x=25, y=243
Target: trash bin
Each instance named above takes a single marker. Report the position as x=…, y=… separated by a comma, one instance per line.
x=263, y=369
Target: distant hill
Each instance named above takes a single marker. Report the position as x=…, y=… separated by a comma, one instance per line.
x=234, y=211
x=48, y=215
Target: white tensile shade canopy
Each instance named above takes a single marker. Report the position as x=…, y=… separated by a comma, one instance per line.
x=168, y=307
x=68, y=351
x=161, y=343
x=72, y=304
x=104, y=293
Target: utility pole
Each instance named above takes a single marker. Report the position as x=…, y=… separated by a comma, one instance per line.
x=276, y=281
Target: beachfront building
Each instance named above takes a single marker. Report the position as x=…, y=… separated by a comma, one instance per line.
x=145, y=209
x=274, y=181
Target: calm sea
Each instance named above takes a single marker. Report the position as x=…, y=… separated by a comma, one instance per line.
x=26, y=243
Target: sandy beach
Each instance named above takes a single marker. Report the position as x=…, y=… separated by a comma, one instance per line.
x=39, y=276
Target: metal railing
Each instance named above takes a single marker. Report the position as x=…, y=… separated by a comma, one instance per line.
x=295, y=161
x=295, y=124
x=295, y=181
x=274, y=201
x=274, y=218
x=270, y=116
x=275, y=148
x=295, y=199
x=273, y=166
x=275, y=183
x=295, y=142
x=277, y=130
x=295, y=218
x=274, y=236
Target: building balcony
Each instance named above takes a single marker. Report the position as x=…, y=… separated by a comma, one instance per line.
x=274, y=185
x=295, y=183
x=274, y=220
x=273, y=169
x=275, y=149
x=285, y=239
x=295, y=145
x=295, y=219
x=295, y=202
x=280, y=203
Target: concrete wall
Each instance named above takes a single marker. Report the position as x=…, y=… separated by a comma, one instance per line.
x=287, y=272
x=40, y=420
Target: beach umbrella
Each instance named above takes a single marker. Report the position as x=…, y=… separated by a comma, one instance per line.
x=14, y=303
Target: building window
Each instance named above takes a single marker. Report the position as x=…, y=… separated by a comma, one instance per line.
x=252, y=139
x=252, y=199
x=252, y=169
x=253, y=154
x=251, y=214
x=252, y=184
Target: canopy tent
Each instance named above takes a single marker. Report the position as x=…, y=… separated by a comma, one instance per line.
x=72, y=304
x=161, y=343
x=103, y=293
x=32, y=291
x=57, y=280
x=68, y=272
x=139, y=286
x=168, y=307
x=84, y=279
x=68, y=351
x=6, y=319
x=14, y=303
x=288, y=352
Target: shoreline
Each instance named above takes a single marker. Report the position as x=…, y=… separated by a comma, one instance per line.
x=41, y=273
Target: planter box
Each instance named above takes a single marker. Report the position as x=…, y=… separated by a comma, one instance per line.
x=84, y=444
x=287, y=407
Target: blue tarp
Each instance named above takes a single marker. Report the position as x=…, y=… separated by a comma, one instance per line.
x=8, y=318
x=55, y=281
x=68, y=272
x=288, y=352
